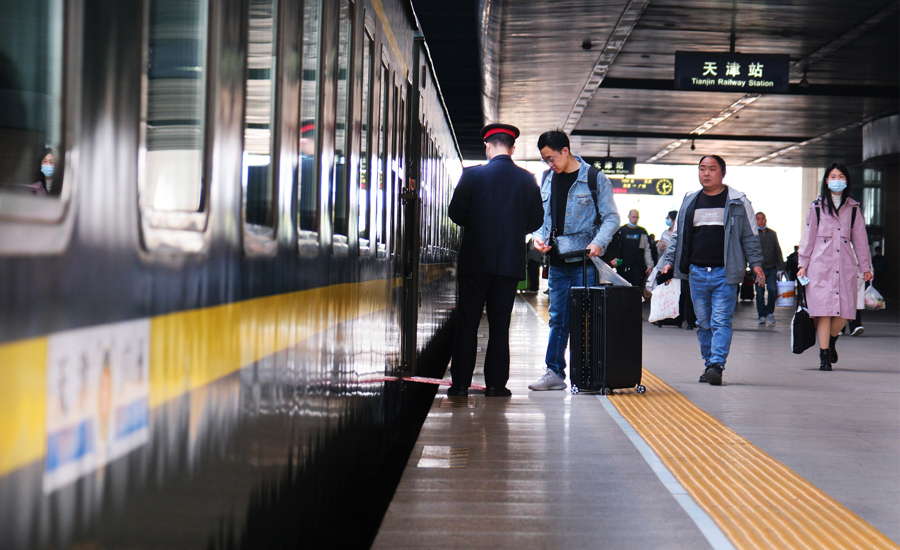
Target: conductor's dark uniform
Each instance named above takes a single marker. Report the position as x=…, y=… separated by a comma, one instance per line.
x=497, y=204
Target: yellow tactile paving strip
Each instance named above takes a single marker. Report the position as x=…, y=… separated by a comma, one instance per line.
x=755, y=500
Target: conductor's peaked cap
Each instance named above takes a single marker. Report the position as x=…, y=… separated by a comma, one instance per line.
x=492, y=129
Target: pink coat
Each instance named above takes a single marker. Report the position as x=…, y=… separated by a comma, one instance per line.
x=830, y=265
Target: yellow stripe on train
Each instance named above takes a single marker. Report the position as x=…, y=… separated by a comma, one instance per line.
x=187, y=350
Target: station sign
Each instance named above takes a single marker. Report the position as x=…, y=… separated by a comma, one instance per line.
x=732, y=72
x=613, y=166
x=643, y=186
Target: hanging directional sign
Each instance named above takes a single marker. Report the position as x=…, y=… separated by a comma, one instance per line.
x=643, y=186
x=613, y=166
x=732, y=72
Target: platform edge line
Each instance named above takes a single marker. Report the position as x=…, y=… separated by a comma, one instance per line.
x=701, y=519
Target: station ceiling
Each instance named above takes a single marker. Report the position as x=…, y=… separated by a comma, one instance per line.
x=603, y=70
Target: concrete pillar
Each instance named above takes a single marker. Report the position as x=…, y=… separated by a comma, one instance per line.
x=881, y=151
x=811, y=180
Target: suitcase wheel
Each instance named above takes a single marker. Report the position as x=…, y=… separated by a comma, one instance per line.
x=574, y=389
x=641, y=388
x=605, y=391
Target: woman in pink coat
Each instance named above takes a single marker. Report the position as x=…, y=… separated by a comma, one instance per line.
x=834, y=221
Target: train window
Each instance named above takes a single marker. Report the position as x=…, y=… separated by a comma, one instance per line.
x=257, y=173
x=340, y=184
x=363, y=197
x=174, y=112
x=33, y=118
x=308, y=210
x=393, y=171
x=31, y=74
x=383, y=179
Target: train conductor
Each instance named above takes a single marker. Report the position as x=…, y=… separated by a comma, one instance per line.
x=497, y=204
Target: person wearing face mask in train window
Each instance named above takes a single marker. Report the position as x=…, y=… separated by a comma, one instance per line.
x=44, y=184
x=827, y=263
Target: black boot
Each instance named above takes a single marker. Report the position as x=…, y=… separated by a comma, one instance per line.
x=833, y=351
x=824, y=359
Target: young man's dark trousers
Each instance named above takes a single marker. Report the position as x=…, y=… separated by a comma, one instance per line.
x=476, y=292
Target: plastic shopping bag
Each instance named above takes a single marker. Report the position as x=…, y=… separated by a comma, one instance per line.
x=786, y=291
x=664, y=304
x=874, y=299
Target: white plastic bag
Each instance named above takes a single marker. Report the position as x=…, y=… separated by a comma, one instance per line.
x=664, y=303
x=874, y=299
x=606, y=274
x=785, y=294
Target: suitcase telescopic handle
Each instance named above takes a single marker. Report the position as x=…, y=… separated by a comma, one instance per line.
x=584, y=259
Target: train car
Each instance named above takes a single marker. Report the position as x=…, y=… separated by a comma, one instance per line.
x=223, y=245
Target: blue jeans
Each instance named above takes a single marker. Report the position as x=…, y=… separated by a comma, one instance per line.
x=714, y=301
x=561, y=279
x=767, y=307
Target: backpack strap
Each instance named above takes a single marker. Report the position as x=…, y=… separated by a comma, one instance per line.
x=852, y=218
x=593, y=173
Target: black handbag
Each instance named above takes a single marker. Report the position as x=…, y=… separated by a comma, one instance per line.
x=803, y=330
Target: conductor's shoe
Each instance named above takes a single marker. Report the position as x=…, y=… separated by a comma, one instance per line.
x=497, y=392
x=457, y=391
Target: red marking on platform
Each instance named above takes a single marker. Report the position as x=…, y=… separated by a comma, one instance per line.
x=439, y=382
x=379, y=379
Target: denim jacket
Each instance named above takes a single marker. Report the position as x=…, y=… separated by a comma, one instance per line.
x=580, y=213
x=741, y=240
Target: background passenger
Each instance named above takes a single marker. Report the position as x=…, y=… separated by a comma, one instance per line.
x=634, y=250
x=827, y=259
x=685, y=305
x=772, y=265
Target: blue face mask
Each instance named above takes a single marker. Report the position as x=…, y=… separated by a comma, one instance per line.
x=632, y=224
x=761, y=227
x=668, y=222
x=47, y=170
x=837, y=186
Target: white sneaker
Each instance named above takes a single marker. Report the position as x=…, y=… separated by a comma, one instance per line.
x=771, y=319
x=550, y=381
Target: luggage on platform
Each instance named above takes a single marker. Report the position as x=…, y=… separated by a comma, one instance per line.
x=524, y=284
x=747, y=292
x=605, y=338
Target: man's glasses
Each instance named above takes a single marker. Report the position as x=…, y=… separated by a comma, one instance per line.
x=551, y=161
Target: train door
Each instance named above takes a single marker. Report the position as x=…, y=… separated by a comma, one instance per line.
x=411, y=206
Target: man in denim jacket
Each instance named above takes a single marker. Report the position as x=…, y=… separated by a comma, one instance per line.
x=577, y=211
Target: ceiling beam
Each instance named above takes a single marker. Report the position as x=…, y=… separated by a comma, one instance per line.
x=669, y=135
x=614, y=44
x=659, y=84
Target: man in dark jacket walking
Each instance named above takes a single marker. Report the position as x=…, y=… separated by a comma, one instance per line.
x=497, y=204
x=772, y=264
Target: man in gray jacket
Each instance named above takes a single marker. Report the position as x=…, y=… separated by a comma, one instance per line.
x=714, y=239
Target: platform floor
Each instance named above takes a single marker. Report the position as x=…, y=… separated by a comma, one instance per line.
x=780, y=456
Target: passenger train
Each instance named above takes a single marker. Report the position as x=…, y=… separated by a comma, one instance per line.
x=223, y=246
